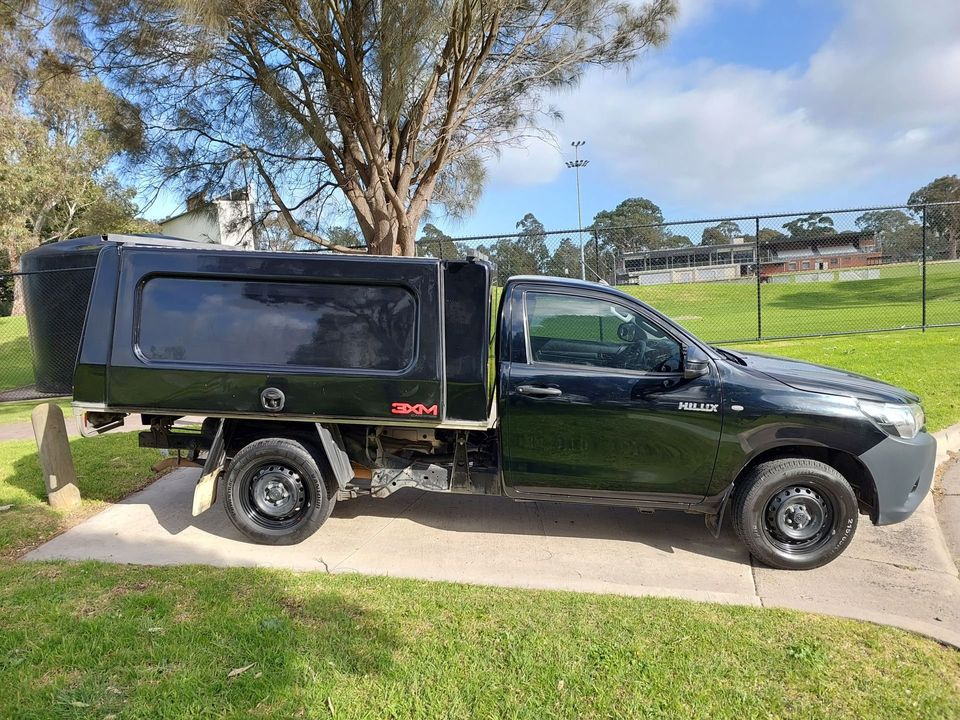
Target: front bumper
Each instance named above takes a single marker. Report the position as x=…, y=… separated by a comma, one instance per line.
x=902, y=473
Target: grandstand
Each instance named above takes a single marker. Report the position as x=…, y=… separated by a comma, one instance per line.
x=779, y=255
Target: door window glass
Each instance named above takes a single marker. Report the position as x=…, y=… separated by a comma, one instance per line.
x=573, y=330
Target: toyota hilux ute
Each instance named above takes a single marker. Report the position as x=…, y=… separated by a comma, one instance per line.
x=325, y=377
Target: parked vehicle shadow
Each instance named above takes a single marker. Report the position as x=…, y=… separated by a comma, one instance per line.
x=358, y=520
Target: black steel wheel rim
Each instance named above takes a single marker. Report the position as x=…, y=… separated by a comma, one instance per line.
x=275, y=496
x=799, y=518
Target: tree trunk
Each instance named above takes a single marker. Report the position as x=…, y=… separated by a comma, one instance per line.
x=19, y=306
x=382, y=235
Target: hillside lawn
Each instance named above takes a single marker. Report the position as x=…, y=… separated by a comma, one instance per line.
x=923, y=362
x=727, y=311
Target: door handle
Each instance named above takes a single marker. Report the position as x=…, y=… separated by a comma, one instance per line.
x=539, y=391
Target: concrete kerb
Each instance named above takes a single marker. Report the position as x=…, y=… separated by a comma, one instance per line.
x=947, y=501
x=948, y=441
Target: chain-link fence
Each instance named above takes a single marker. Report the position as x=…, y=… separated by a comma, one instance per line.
x=727, y=280
x=759, y=277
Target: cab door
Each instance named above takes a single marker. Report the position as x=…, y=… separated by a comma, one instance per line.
x=594, y=402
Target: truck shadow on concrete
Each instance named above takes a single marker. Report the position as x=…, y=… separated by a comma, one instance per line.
x=413, y=517
x=664, y=530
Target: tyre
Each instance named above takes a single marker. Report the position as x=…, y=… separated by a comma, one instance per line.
x=795, y=513
x=275, y=492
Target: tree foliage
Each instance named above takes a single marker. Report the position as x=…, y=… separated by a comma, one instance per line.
x=393, y=103
x=723, y=233
x=943, y=222
x=634, y=224
x=436, y=243
x=810, y=226
x=566, y=260
x=898, y=235
x=60, y=129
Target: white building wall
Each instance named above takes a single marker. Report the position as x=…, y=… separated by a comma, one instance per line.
x=200, y=225
x=225, y=222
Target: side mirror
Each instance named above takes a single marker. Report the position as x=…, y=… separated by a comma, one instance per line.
x=694, y=364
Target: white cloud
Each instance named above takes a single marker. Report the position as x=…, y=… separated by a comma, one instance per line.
x=878, y=98
x=533, y=162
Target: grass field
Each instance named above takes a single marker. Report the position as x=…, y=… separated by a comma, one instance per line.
x=19, y=412
x=924, y=362
x=16, y=367
x=95, y=641
x=721, y=311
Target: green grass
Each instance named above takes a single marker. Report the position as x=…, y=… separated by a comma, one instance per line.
x=108, y=468
x=16, y=366
x=925, y=363
x=727, y=311
x=91, y=640
x=20, y=412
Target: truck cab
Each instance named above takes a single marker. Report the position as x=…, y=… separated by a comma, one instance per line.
x=321, y=378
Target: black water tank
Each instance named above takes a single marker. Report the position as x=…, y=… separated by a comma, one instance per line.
x=56, y=287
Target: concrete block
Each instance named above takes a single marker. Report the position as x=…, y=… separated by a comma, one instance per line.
x=56, y=462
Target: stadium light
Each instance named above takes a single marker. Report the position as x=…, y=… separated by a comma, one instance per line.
x=576, y=164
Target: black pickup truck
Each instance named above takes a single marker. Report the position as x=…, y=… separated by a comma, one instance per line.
x=323, y=377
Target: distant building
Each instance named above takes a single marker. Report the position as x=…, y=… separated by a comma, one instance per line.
x=831, y=252
x=227, y=220
x=702, y=263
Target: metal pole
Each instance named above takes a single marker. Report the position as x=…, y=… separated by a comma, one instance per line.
x=583, y=260
x=756, y=240
x=923, y=272
x=576, y=164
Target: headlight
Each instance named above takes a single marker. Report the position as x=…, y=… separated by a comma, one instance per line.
x=895, y=419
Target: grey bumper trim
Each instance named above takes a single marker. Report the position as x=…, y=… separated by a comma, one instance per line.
x=902, y=473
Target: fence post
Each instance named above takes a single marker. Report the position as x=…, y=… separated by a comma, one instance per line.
x=923, y=271
x=596, y=252
x=756, y=240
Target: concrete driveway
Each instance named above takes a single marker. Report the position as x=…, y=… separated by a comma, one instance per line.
x=901, y=575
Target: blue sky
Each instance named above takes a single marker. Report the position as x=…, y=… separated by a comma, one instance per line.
x=754, y=106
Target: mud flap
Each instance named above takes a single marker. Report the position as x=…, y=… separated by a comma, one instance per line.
x=205, y=493
x=715, y=521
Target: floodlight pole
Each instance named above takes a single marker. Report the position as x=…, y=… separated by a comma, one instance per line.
x=576, y=164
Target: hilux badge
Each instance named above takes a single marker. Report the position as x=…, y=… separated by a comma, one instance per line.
x=698, y=407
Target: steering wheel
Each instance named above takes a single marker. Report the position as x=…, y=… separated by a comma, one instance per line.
x=631, y=356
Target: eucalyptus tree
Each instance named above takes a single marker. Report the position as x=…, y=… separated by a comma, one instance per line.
x=61, y=129
x=392, y=105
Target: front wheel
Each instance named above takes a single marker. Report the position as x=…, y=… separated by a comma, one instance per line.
x=276, y=493
x=795, y=513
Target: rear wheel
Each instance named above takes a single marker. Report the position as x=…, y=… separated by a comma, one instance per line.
x=795, y=513
x=276, y=493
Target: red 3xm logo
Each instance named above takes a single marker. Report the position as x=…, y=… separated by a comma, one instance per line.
x=401, y=408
